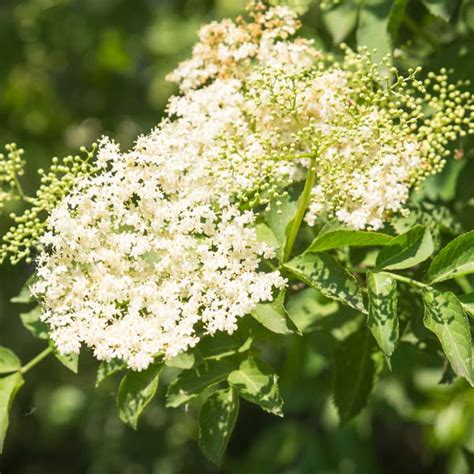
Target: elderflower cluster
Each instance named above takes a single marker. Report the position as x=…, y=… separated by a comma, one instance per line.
x=134, y=268
x=157, y=246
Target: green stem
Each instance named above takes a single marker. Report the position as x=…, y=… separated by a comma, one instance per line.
x=36, y=360
x=303, y=203
x=359, y=270
x=464, y=284
x=409, y=281
x=21, y=192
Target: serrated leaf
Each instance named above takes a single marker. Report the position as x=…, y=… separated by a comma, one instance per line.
x=279, y=218
x=441, y=8
x=9, y=362
x=108, y=368
x=467, y=303
x=136, y=391
x=407, y=250
x=274, y=317
x=456, y=259
x=372, y=30
x=325, y=274
x=216, y=422
x=445, y=317
x=256, y=381
x=191, y=383
x=31, y=321
x=309, y=307
x=355, y=373
x=383, y=317
x=347, y=238
x=9, y=387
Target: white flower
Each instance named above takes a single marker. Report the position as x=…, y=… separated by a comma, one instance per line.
x=156, y=246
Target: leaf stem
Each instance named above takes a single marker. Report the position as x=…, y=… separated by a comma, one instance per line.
x=36, y=360
x=409, y=281
x=303, y=203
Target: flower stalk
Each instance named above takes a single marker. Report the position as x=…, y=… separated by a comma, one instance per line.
x=36, y=360
x=303, y=203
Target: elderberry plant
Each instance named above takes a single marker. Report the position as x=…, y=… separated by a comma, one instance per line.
x=235, y=215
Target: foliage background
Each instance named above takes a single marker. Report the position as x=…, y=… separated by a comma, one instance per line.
x=72, y=70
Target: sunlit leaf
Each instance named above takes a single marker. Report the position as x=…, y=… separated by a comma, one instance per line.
x=9, y=387
x=325, y=274
x=456, y=259
x=274, y=317
x=192, y=383
x=445, y=317
x=9, y=362
x=383, y=317
x=347, y=238
x=256, y=381
x=407, y=250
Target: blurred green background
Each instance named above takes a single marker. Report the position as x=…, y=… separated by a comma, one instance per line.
x=72, y=70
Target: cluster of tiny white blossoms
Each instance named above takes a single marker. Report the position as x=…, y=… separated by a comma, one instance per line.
x=158, y=245
x=133, y=268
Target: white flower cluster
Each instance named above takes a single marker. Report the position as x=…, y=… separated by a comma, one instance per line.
x=134, y=268
x=159, y=245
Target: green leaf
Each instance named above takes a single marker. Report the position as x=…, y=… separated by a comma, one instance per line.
x=108, y=368
x=192, y=383
x=136, y=391
x=70, y=361
x=9, y=362
x=221, y=345
x=441, y=8
x=31, y=321
x=456, y=259
x=309, y=307
x=279, y=218
x=184, y=361
x=355, y=373
x=25, y=296
x=467, y=303
x=341, y=21
x=383, y=317
x=407, y=250
x=325, y=274
x=216, y=422
x=265, y=234
x=445, y=317
x=372, y=30
x=395, y=19
x=9, y=387
x=258, y=383
x=274, y=317
x=347, y=238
